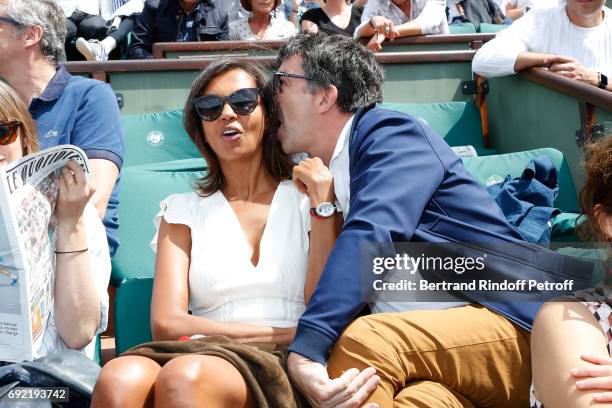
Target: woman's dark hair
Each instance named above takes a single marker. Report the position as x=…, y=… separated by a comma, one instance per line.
x=246, y=4
x=597, y=188
x=276, y=162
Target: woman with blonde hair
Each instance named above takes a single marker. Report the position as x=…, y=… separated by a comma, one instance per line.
x=81, y=259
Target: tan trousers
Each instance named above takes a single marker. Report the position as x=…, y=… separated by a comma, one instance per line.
x=462, y=357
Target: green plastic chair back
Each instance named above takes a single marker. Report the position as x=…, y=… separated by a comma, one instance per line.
x=462, y=28
x=491, y=28
x=457, y=122
x=156, y=137
x=133, y=313
x=492, y=169
x=142, y=189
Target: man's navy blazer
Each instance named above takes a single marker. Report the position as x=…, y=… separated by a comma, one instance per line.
x=406, y=185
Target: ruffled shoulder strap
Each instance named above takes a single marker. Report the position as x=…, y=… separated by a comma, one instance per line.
x=176, y=209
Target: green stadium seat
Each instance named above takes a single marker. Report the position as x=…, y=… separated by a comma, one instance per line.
x=142, y=188
x=462, y=28
x=457, y=122
x=156, y=137
x=491, y=28
x=133, y=313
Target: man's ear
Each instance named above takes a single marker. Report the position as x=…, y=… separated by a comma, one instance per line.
x=32, y=36
x=328, y=98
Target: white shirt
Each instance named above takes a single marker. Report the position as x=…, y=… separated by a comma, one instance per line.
x=279, y=29
x=223, y=283
x=430, y=15
x=99, y=262
x=339, y=167
x=547, y=31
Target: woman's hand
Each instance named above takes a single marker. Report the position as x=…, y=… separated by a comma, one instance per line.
x=597, y=376
x=74, y=193
x=315, y=180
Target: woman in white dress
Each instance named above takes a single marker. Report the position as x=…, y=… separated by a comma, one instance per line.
x=262, y=23
x=236, y=253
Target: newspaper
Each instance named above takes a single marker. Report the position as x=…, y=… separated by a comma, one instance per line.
x=28, y=193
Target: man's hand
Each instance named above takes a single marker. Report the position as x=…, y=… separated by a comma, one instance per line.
x=315, y=180
x=570, y=68
x=348, y=391
x=596, y=376
x=384, y=26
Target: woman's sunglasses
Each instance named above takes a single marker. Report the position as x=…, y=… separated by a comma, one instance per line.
x=243, y=102
x=8, y=131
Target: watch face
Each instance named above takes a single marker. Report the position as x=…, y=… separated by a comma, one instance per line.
x=326, y=210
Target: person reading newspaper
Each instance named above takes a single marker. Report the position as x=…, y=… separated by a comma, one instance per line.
x=80, y=262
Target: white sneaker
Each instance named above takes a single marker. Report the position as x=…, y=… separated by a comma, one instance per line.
x=92, y=50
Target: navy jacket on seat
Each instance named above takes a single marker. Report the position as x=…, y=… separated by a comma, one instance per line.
x=406, y=185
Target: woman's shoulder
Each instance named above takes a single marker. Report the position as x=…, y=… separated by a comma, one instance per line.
x=184, y=199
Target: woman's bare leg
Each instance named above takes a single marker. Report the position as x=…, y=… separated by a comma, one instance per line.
x=201, y=381
x=126, y=382
x=562, y=332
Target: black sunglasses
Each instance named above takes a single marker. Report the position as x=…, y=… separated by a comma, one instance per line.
x=8, y=131
x=243, y=102
x=9, y=20
x=276, y=79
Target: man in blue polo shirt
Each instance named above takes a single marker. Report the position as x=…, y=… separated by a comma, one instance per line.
x=67, y=109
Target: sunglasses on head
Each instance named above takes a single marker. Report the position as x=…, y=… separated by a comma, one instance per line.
x=8, y=131
x=243, y=102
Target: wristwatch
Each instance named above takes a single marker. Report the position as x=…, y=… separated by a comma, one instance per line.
x=603, y=81
x=325, y=209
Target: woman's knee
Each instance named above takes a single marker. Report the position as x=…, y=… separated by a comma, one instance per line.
x=205, y=379
x=123, y=380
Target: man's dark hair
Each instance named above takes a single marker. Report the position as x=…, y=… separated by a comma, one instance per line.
x=340, y=61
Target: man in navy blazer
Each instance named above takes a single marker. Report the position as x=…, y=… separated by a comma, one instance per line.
x=395, y=180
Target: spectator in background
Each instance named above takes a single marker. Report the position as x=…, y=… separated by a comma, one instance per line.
x=73, y=321
x=391, y=19
x=335, y=17
x=573, y=40
x=82, y=20
x=119, y=16
x=262, y=23
x=178, y=21
x=515, y=9
x=67, y=109
x=475, y=12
